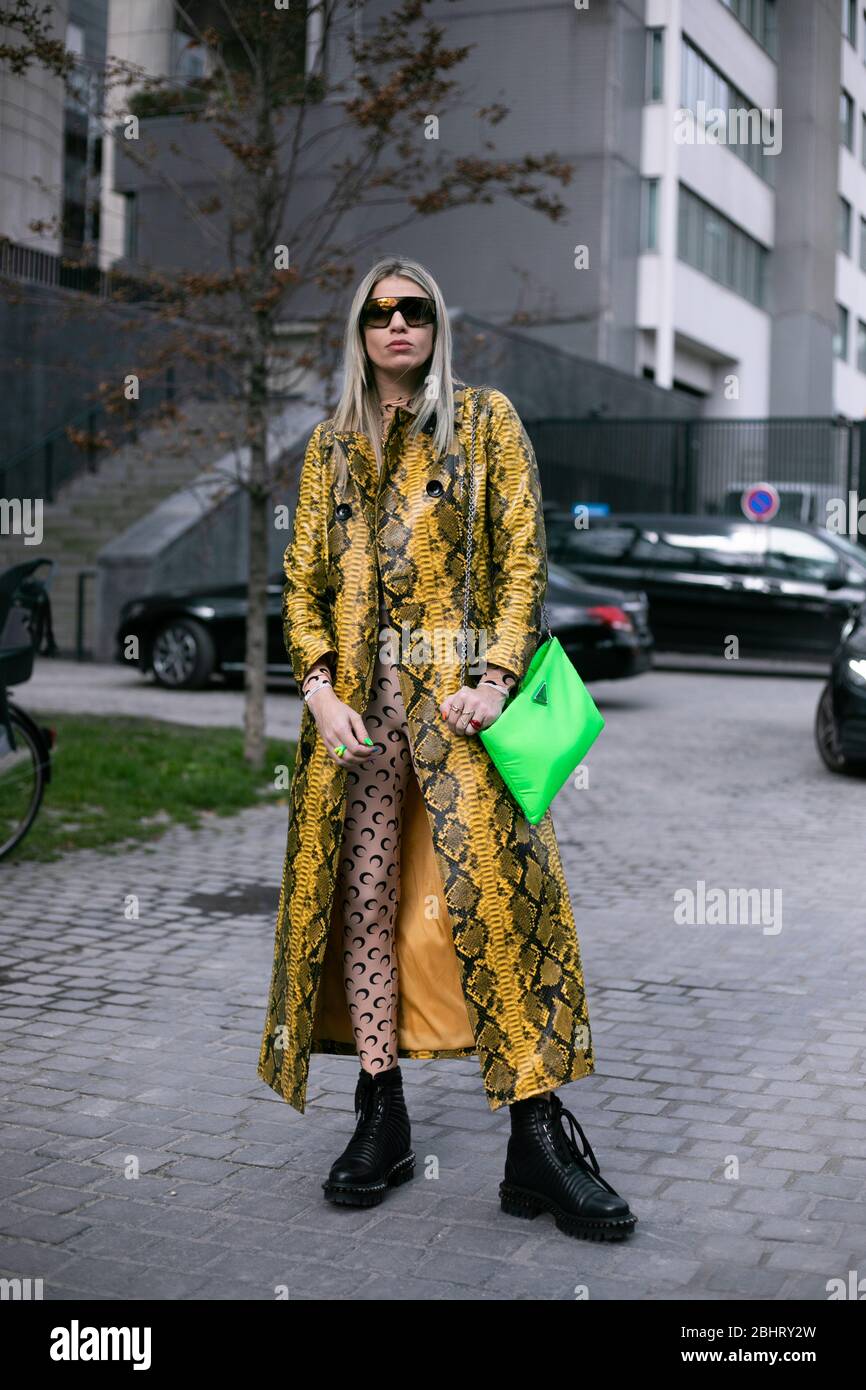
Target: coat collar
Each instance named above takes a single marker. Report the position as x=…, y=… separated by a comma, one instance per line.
x=461, y=391
x=358, y=451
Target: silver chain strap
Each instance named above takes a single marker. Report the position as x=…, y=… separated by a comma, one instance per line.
x=470, y=524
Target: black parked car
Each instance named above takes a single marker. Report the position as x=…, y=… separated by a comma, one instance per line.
x=840, y=720
x=784, y=589
x=187, y=635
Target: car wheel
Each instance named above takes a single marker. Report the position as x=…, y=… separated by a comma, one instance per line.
x=182, y=654
x=827, y=738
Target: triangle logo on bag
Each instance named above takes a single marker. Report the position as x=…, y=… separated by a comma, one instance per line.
x=540, y=696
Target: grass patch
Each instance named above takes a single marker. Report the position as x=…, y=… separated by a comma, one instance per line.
x=117, y=780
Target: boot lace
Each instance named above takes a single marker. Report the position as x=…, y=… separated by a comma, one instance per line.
x=584, y=1157
x=366, y=1096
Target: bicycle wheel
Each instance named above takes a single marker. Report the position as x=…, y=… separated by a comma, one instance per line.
x=22, y=779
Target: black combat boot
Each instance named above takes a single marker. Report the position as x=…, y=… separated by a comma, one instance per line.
x=546, y=1171
x=378, y=1155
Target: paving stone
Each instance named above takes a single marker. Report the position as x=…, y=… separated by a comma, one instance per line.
x=709, y=1041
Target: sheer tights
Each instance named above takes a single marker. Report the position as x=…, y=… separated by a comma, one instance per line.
x=369, y=872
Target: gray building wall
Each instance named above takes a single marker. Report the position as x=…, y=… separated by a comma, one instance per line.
x=803, y=263
x=31, y=141
x=573, y=82
x=58, y=348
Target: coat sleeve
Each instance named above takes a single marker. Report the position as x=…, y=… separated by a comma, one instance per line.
x=306, y=620
x=517, y=540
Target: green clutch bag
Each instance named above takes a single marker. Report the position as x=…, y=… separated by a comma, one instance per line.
x=544, y=731
x=549, y=723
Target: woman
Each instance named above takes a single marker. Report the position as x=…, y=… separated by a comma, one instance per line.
x=420, y=914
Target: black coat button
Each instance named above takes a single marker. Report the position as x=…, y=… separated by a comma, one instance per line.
x=434, y=487
x=342, y=511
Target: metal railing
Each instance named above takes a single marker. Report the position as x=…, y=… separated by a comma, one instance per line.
x=36, y=267
x=693, y=466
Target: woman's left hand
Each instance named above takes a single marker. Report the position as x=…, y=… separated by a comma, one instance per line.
x=482, y=703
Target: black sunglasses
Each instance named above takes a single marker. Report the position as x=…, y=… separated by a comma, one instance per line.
x=416, y=310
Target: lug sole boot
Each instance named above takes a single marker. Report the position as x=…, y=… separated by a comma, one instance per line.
x=379, y=1154
x=546, y=1171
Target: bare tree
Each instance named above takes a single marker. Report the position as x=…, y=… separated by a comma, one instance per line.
x=306, y=171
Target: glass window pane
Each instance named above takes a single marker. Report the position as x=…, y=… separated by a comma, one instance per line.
x=649, y=214
x=657, y=68
x=846, y=120
x=840, y=337
x=843, y=227
x=712, y=243
x=654, y=70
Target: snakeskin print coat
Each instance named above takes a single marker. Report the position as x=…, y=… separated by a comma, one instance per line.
x=487, y=950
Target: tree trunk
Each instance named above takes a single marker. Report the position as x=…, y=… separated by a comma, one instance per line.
x=257, y=574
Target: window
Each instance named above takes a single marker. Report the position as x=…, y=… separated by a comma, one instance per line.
x=591, y=544
x=863, y=243
x=864, y=36
x=710, y=242
x=744, y=127
x=849, y=21
x=188, y=56
x=799, y=555
x=130, y=227
x=846, y=119
x=759, y=17
x=843, y=227
x=654, y=64
x=840, y=337
x=863, y=139
x=653, y=548
x=649, y=215
x=75, y=39
x=861, y=345
x=709, y=552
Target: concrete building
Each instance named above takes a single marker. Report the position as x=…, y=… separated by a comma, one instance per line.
x=705, y=252
x=51, y=140
x=723, y=253
x=31, y=140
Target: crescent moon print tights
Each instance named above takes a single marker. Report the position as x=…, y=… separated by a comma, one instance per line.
x=369, y=871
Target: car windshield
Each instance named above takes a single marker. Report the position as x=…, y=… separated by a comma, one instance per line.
x=850, y=550
x=560, y=584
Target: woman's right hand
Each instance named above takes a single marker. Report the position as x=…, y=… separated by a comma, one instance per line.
x=338, y=723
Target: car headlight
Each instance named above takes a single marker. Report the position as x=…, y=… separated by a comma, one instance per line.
x=857, y=670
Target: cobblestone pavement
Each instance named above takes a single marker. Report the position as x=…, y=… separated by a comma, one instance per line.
x=728, y=1105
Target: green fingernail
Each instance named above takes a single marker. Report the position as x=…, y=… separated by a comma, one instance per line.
x=368, y=740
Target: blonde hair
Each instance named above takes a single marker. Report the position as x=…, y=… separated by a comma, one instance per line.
x=358, y=407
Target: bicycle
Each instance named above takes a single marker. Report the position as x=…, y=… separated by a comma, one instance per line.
x=25, y=746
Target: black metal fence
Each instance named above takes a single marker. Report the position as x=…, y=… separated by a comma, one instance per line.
x=697, y=466
x=37, y=267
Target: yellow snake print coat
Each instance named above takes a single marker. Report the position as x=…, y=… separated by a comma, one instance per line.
x=486, y=945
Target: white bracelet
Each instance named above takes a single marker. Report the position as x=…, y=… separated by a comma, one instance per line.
x=496, y=686
x=321, y=686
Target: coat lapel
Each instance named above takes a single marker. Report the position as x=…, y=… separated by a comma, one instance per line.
x=359, y=455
